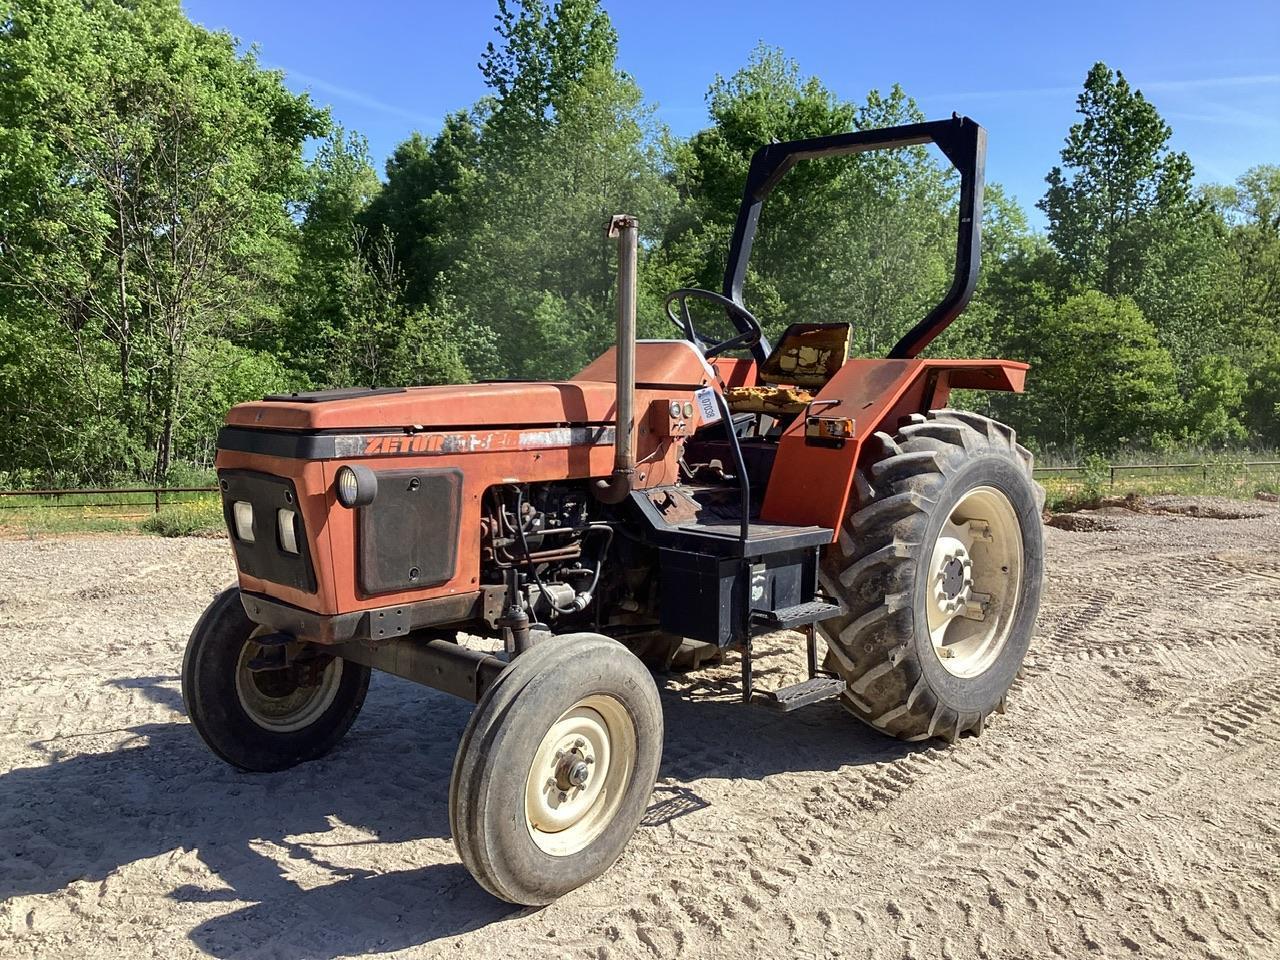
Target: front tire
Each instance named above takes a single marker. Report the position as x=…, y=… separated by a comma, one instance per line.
x=263, y=720
x=556, y=768
x=939, y=567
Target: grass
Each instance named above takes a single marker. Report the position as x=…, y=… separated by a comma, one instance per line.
x=1127, y=455
x=179, y=515
x=1220, y=480
x=188, y=518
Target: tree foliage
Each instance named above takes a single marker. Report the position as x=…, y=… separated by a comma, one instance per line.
x=566, y=142
x=1103, y=380
x=166, y=252
x=863, y=239
x=146, y=190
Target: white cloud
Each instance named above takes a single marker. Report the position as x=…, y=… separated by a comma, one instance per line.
x=356, y=97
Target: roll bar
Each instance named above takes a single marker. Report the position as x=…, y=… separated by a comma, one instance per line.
x=962, y=141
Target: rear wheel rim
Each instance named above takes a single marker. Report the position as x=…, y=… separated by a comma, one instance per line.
x=274, y=700
x=579, y=775
x=974, y=581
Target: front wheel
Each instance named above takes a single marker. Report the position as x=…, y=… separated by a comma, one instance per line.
x=556, y=767
x=939, y=567
x=264, y=719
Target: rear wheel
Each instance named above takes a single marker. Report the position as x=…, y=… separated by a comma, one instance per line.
x=939, y=567
x=268, y=719
x=556, y=767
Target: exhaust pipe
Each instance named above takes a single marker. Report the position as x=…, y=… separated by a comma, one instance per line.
x=615, y=489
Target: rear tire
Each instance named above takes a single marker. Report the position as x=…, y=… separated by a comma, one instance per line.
x=939, y=567
x=262, y=721
x=555, y=769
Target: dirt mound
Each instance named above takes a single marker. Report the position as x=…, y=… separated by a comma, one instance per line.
x=1081, y=522
x=1204, y=508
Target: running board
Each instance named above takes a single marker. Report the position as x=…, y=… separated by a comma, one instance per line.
x=788, y=618
x=813, y=690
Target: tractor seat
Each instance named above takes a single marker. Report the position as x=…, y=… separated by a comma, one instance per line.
x=767, y=399
x=806, y=357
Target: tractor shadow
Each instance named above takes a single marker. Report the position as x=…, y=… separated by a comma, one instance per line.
x=83, y=816
x=710, y=733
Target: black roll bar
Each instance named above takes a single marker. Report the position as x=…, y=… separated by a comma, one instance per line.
x=962, y=141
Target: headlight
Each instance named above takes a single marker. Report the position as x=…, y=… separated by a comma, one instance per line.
x=242, y=513
x=356, y=486
x=288, y=530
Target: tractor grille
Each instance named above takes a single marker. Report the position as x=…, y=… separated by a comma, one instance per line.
x=408, y=537
x=266, y=556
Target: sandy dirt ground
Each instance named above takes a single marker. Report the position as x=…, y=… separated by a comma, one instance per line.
x=1128, y=804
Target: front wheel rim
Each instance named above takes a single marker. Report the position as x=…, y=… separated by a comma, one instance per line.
x=579, y=775
x=975, y=577
x=274, y=700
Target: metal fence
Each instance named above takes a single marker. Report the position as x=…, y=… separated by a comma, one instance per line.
x=1241, y=468
x=157, y=497
x=99, y=498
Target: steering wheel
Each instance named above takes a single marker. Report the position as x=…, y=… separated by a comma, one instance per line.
x=710, y=346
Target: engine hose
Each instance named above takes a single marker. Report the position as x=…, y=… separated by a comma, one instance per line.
x=533, y=567
x=604, y=552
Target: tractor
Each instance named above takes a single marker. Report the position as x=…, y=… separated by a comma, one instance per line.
x=683, y=496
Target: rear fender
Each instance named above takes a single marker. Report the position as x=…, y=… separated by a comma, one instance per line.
x=812, y=483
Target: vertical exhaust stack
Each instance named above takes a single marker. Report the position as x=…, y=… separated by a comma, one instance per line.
x=615, y=489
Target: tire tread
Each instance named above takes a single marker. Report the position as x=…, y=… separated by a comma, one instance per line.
x=869, y=569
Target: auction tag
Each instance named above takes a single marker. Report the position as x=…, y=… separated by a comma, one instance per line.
x=708, y=409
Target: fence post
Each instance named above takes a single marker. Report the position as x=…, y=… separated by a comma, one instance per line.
x=157, y=493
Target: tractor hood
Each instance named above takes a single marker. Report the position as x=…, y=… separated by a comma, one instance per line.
x=591, y=396
x=475, y=404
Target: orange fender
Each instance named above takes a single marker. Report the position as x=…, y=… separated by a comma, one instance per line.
x=811, y=482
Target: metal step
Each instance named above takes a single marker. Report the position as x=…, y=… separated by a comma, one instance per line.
x=788, y=618
x=813, y=690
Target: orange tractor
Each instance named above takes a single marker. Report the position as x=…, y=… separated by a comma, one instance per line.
x=670, y=497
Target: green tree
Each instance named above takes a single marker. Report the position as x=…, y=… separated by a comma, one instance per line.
x=342, y=184
x=146, y=191
x=1249, y=290
x=566, y=142
x=1100, y=379
x=1117, y=173
x=1214, y=407
x=380, y=340
x=1123, y=217
x=428, y=202
x=1262, y=396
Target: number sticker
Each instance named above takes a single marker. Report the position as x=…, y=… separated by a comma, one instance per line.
x=708, y=409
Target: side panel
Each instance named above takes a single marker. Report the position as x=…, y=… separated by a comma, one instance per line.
x=735, y=371
x=811, y=484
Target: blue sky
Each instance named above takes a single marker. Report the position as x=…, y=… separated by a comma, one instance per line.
x=1212, y=69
